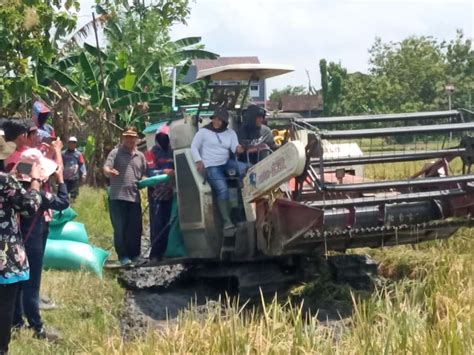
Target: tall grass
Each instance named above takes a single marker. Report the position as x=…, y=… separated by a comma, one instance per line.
x=425, y=306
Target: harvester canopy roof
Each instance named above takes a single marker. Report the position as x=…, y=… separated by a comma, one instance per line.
x=244, y=71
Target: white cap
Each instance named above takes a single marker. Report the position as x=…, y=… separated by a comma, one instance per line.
x=73, y=139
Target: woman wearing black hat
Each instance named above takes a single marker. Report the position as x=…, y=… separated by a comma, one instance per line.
x=253, y=129
x=211, y=148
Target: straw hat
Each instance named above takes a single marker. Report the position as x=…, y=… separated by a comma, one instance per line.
x=6, y=148
x=33, y=155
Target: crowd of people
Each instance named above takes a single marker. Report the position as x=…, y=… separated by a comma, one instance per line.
x=33, y=165
x=216, y=150
x=31, y=168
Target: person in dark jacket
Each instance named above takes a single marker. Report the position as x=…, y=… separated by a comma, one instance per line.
x=160, y=197
x=252, y=131
x=74, y=168
x=40, y=116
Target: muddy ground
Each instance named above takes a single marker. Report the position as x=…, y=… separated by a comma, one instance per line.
x=155, y=297
x=168, y=292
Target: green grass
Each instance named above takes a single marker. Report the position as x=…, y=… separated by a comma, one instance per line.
x=425, y=306
x=91, y=207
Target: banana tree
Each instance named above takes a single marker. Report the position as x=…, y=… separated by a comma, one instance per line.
x=97, y=98
x=105, y=101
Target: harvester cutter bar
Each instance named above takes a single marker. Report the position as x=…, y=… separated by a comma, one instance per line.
x=342, y=239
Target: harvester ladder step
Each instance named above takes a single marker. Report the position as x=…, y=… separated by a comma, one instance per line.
x=228, y=243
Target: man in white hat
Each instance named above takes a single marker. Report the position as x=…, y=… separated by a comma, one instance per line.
x=74, y=168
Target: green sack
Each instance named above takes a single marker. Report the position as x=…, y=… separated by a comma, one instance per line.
x=152, y=181
x=175, y=247
x=73, y=231
x=61, y=217
x=69, y=255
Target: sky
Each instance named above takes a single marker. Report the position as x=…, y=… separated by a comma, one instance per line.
x=301, y=32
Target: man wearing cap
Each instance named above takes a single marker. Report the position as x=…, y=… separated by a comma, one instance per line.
x=74, y=168
x=40, y=115
x=211, y=150
x=253, y=129
x=125, y=166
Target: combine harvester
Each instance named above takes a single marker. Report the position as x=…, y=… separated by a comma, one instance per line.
x=336, y=183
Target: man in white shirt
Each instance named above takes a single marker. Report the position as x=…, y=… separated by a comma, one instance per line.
x=211, y=149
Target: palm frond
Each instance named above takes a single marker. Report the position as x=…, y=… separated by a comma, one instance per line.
x=85, y=30
x=186, y=42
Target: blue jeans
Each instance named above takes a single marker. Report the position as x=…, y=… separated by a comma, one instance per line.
x=217, y=177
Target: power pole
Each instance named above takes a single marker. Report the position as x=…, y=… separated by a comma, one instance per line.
x=449, y=91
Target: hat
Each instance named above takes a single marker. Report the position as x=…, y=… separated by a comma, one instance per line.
x=72, y=139
x=222, y=114
x=130, y=132
x=255, y=111
x=39, y=108
x=251, y=113
x=6, y=148
x=33, y=155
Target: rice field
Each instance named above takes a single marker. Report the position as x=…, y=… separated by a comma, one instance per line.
x=424, y=304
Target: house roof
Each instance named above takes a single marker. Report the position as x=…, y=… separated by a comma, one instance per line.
x=244, y=71
x=202, y=64
x=298, y=103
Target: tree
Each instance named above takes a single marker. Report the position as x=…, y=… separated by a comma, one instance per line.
x=128, y=81
x=406, y=76
x=411, y=72
x=138, y=42
x=359, y=95
x=460, y=69
x=29, y=30
x=332, y=77
x=139, y=34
